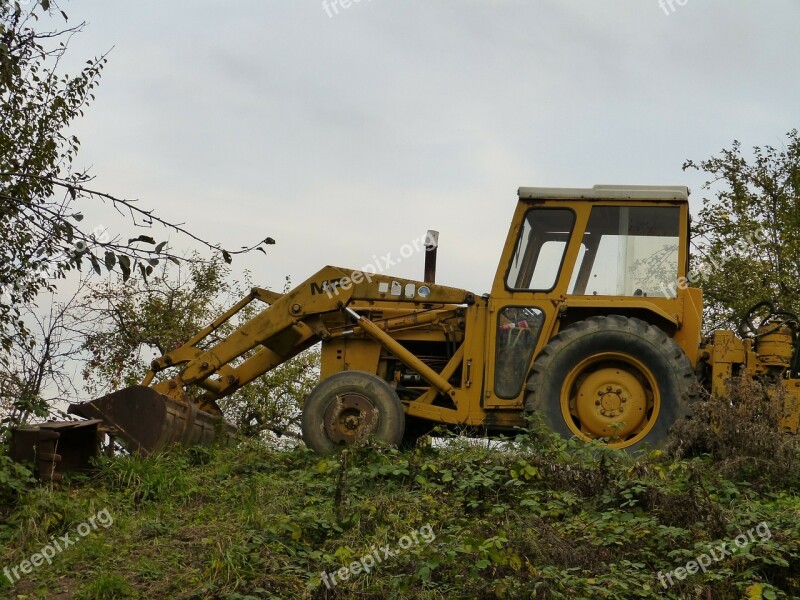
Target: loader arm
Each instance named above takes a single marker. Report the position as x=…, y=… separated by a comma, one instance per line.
x=183, y=409
x=290, y=324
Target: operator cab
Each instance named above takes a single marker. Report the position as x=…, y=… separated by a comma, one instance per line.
x=572, y=254
x=631, y=248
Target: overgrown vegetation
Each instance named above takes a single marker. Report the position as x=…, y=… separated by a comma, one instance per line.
x=537, y=517
x=742, y=434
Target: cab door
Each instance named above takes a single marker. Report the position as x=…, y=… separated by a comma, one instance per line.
x=523, y=307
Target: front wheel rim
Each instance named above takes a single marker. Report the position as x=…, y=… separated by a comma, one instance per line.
x=349, y=418
x=611, y=395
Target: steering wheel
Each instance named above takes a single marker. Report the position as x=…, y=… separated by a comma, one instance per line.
x=779, y=317
x=747, y=327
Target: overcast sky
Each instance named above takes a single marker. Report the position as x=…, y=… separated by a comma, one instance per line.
x=347, y=136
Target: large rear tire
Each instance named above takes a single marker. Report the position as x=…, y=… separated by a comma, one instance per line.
x=614, y=378
x=349, y=407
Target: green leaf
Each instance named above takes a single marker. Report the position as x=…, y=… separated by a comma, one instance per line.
x=160, y=247
x=95, y=264
x=77, y=216
x=142, y=238
x=227, y=256
x=111, y=260
x=125, y=266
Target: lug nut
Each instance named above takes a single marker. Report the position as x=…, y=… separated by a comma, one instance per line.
x=619, y=390
x=597, y=402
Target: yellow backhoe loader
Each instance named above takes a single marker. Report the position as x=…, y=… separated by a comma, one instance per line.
x=590, y=322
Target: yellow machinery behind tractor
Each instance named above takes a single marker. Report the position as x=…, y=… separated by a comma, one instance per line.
x=589, y=323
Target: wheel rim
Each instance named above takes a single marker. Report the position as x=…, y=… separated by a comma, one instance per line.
x=611, y=395
x=350, y=417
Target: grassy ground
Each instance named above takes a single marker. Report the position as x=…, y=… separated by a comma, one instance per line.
x=539, y=518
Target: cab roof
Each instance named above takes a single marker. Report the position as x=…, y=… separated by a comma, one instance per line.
x=608, y=192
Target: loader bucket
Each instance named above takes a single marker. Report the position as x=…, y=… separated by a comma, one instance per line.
x=146, y=421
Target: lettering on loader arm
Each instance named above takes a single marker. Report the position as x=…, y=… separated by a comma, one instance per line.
x=323, y=287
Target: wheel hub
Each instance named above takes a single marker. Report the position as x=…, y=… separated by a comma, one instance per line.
x=350, y=417
x=610, y=402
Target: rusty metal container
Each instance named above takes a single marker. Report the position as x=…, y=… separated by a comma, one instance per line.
x=57, y=447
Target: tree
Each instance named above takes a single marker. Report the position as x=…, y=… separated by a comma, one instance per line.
x=40, y=374
x=136, y=321
x=747, y=235
x=41, y=189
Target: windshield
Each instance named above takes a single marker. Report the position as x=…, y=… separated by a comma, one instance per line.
x=629, y=251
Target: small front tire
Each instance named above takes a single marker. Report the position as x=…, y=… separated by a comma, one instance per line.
x=350, y=407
